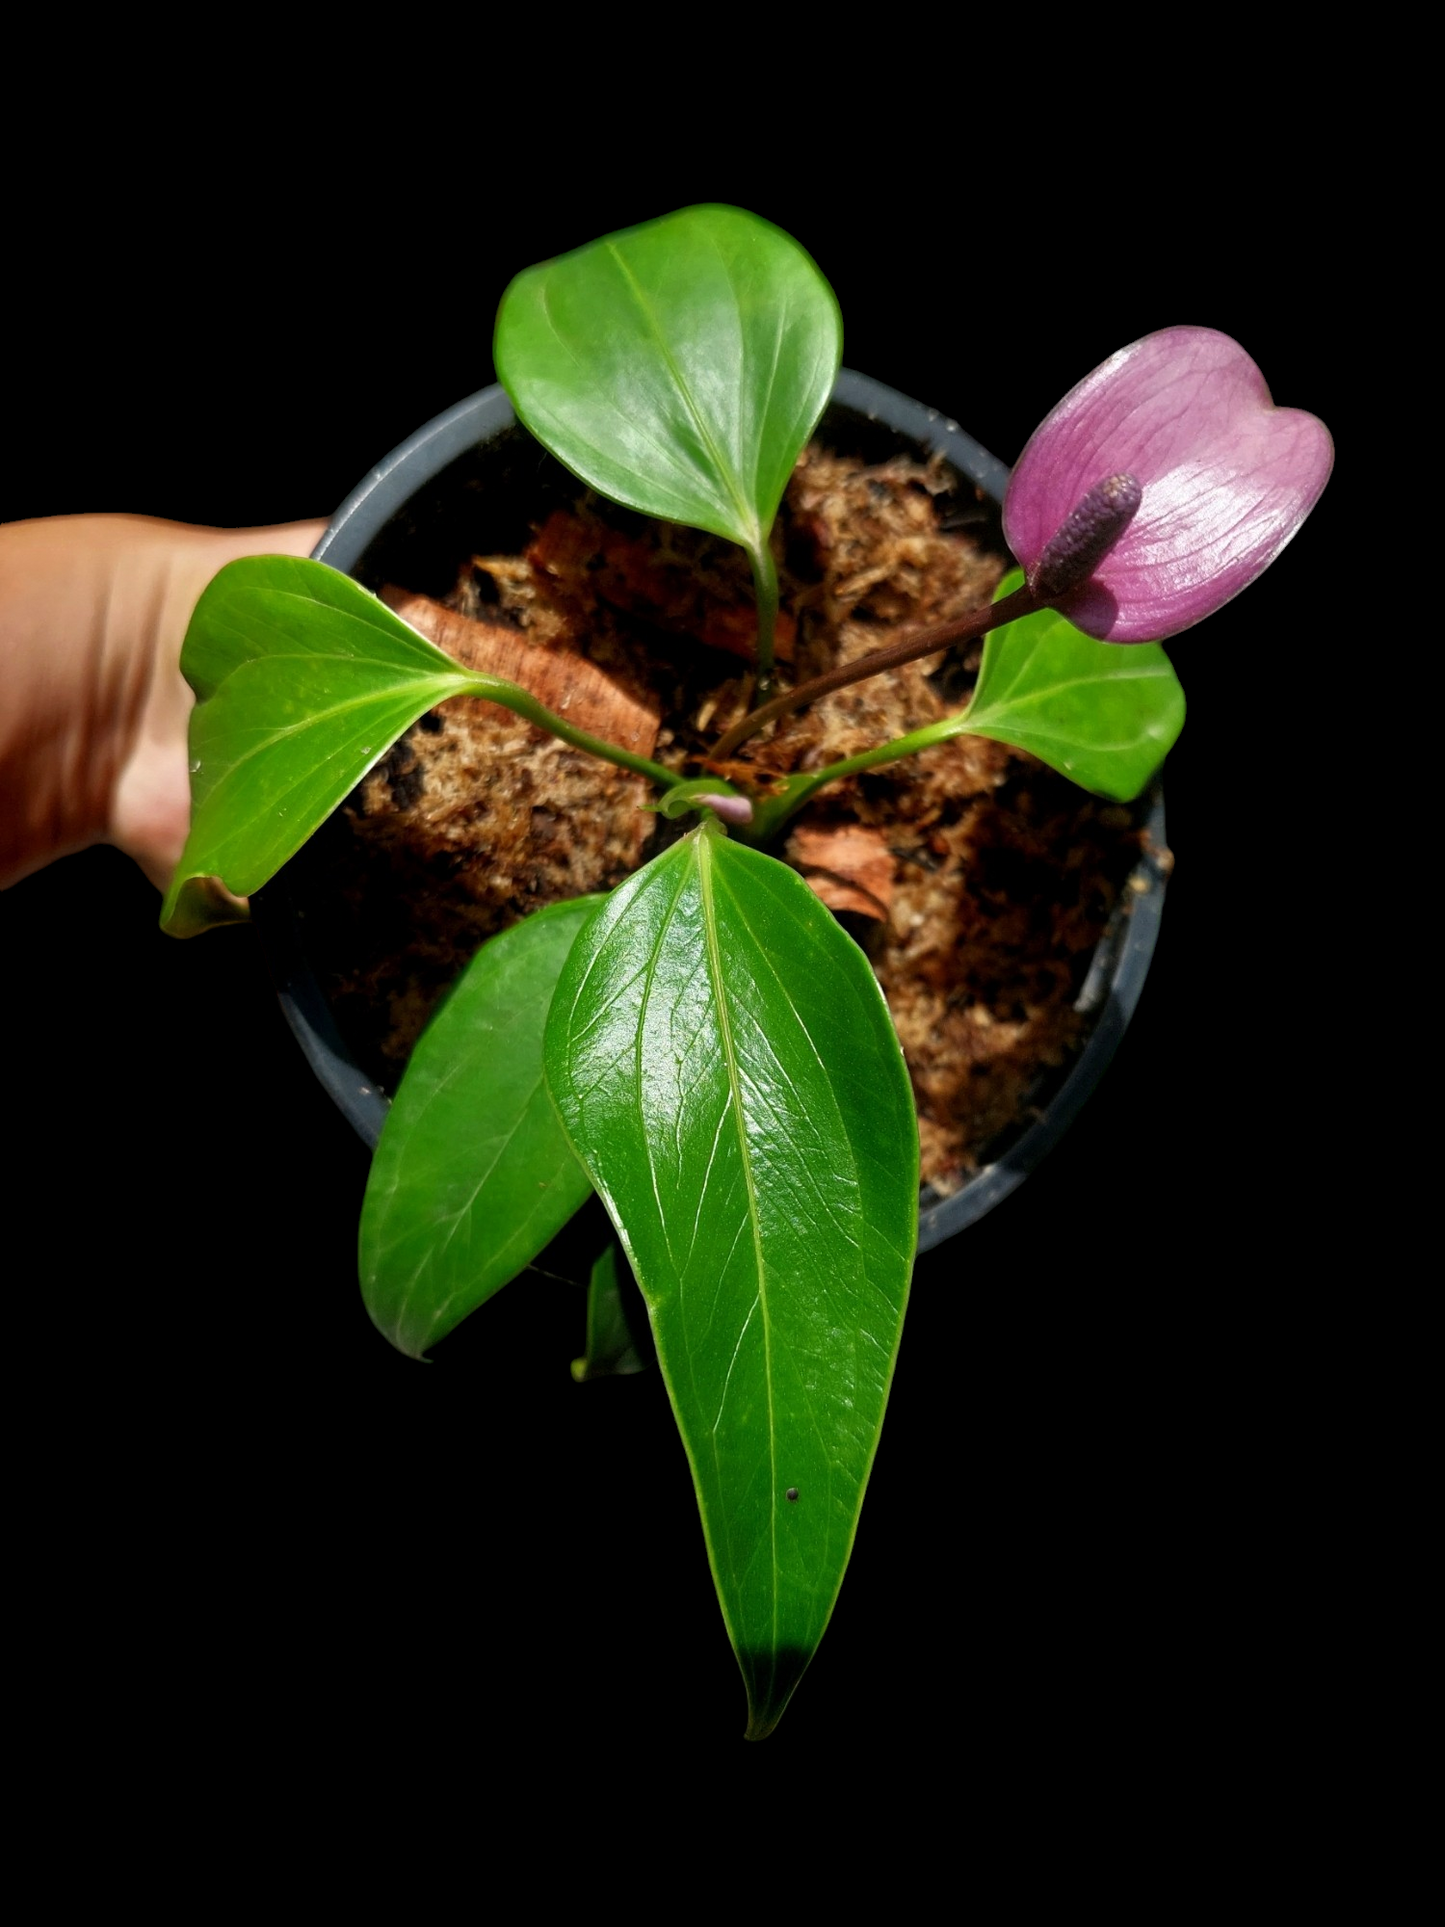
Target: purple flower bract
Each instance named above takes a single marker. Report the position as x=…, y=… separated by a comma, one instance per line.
x=1227, y=479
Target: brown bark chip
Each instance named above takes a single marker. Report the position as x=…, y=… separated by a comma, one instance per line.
x=848, y=868
x=569, y=686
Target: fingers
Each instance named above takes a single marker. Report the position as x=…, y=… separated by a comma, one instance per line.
x=93, y=611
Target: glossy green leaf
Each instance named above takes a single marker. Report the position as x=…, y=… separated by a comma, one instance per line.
x=678, y=367
x=725, y=1064
x=303, y=681
x=610, y=1351
x=1106, y=714
x=473, y=1174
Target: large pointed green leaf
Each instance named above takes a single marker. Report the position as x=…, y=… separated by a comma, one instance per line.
x=678, y=367
x=303, y=680
x=1104, y=713
x=728, y=1072
x=473, y=1174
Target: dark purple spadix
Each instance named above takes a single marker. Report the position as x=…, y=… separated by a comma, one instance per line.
x=1227, y=479
x=1085, y=536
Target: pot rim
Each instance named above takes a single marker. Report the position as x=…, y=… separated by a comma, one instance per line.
x=1121, y=961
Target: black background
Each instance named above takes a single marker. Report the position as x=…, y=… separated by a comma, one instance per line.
x=1114, y=1431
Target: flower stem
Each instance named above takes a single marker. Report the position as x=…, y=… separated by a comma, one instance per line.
x=920, y=642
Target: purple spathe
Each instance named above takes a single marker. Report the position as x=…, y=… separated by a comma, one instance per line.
x=1227, y=479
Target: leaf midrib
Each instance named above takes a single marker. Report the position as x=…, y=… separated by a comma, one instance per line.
x=1006, y=699
x=435, y=1254
x=729, y=1053
x=303, y=783
x=395, y=634
x=747, y=518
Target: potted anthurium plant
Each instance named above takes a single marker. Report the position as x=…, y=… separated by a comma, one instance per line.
x=706, y=1047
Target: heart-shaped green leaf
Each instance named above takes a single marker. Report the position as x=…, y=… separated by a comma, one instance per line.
x=473, y=1174
x=303, y=681
x=678, y=367
x=1106, y=714
x=726, y=1067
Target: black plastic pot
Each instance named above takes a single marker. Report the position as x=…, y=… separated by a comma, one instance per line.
x=474, y=457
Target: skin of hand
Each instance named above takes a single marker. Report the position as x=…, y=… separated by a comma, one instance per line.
x=93, y=706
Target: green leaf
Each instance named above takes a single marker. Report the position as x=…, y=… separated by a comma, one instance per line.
x=1106, y=714
x=610, y=1350
x=473, y=1174
x=303, y=681
x=678, y=367
x=728, y=1072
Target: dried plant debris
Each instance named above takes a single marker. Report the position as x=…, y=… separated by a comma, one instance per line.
x=978, y=881
x=570, y=686
x=846, y=866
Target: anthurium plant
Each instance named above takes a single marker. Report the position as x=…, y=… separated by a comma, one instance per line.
x=705, y=1047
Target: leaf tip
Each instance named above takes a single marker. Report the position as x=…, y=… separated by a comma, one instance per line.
x=771, y=1679
x=405, y=1341
x=400, y=1332
x=194, y=904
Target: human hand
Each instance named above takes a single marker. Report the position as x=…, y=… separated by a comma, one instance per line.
x=93, y=611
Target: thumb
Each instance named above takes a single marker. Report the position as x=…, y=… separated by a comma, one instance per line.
x=151, y=804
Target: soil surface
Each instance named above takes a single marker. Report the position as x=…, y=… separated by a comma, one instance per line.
x=977, y=881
